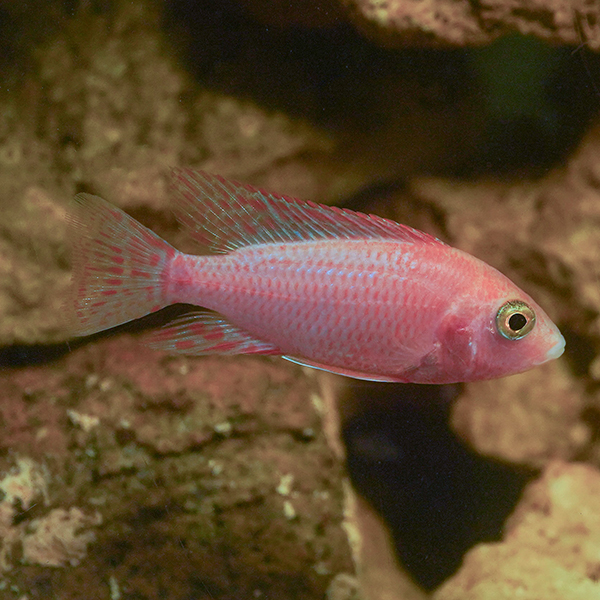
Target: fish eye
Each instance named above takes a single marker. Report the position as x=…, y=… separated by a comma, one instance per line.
x=515, y=319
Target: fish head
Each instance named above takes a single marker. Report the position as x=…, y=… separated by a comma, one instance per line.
x=495, y=331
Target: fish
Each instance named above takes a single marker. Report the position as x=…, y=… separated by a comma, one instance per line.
x=325, y=287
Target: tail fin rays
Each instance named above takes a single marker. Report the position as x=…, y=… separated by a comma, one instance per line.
x=117, y=266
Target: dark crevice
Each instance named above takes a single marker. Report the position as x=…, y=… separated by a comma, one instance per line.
x=24, y=355
x=331, y=75
x=438, y=497
x=580, y=351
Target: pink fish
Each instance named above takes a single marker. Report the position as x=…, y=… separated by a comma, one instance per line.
x=334, y=289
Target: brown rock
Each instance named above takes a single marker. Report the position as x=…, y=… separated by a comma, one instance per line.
x=447, y=22
x=204, y=473
x=528, y=419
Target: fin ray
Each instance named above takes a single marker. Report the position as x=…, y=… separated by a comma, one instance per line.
x=203, y=332
x=341, y=371
x=117, y=266
x=226, y=215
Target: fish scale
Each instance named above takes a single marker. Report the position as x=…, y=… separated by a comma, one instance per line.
x=330, y=288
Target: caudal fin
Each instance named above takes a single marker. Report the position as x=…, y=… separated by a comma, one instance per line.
x=117, y=266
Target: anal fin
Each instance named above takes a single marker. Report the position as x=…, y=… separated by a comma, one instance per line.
x=203, y=332
x=341, y=371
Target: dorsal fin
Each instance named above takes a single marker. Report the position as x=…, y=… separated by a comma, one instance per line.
x=226, y=215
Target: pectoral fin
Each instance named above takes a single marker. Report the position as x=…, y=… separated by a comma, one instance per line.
x=203, y=332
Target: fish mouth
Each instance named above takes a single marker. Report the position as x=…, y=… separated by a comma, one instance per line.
x=556, y=350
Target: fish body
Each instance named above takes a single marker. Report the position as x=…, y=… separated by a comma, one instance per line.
x=333, y=289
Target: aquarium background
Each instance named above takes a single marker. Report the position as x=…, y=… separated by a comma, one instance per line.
x=128, y=474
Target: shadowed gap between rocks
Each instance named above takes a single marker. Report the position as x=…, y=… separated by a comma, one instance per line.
x=438, y=497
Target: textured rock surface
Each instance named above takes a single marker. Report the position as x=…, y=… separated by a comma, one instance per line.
x=551, y=547
x=462, y=22
x=527, y=419
x=173, y=477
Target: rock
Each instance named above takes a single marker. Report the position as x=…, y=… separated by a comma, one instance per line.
x=190, y=466
x=59, y=538
x=527, y=419
x=447, y=22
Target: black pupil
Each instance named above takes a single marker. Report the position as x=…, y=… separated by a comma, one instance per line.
x=517, y=321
